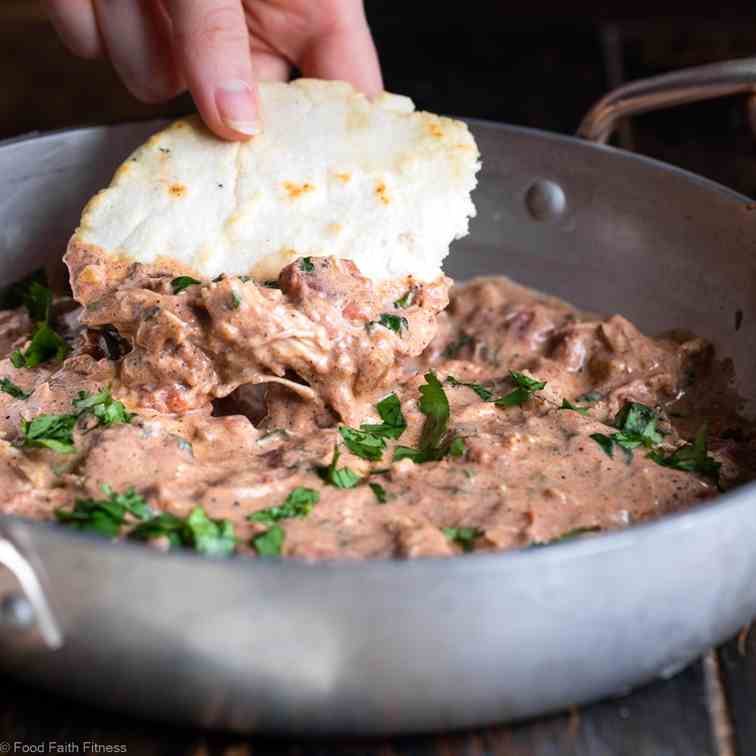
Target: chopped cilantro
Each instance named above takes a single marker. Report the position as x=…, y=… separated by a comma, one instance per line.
x=180, y=283
x=435, y=406
x=50, y=431
x=568, y=536
x=45, y=345
x=394, y=323
x=457, y=447
x=107, y=410
x=8, y=387
x=478, y=388
x=691, y=458
x=298, y=503
x=105, y=516
x=343, y=478
x=235, y=301
x=637, y=427
x=270, y=542
x=605, y=442
x=568, y=405
x=637, y=424
x=525, y=388
x=390, y=411
x=464, y=537
x=271, y=284
x=434, y=444
x=197, y=531
x=406, y=299
x=15, y=295
x=363, y=443
x=305, y=265
x=56, y=431
x=38, y=300
x=416, y=455
x=379, y=491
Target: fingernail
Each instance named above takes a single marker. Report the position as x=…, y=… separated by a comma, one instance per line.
x=237, y=108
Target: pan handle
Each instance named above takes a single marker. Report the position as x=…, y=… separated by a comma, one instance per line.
x=26, y=618
x=677, y=88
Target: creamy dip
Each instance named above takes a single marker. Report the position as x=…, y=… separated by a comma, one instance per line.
x=235, y=396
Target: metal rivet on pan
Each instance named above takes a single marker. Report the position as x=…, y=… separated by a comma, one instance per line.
x=16, y=610
x=545, y=200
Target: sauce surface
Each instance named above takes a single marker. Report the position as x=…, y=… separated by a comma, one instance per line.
x=239, y=395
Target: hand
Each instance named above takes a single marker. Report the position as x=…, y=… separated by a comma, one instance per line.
x=220, y=48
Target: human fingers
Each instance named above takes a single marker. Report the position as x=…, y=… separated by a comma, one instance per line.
x=75, y=23
x=345, y=51
x=213, y=50
x=137, y=37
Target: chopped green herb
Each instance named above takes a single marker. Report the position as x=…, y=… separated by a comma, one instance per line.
x=463, y=340
x=464, y=537
x=271, y=285
x=45, y=345
x=247, y=279
x=270, y=542
x=15, y=295
x=568, y=405
x=457, y=447
x=390, y=411
x=8, y=387
x=406, y=299
x=478, y=388
x=568, y=536
x=435, y=406
x=590, y=397
x=50, y=431
x=692, y=458
x=197, y=531
x=105, y=516
x=235, y=301
x=38, y=300
x=407, y=452
x=394, y=323
x=526, y=387
x=298, y=503
x=305, y=265
x=107, y=410
x=434, y=444
x=363, y=443
x=637, y=427
x=343, y=478
x=180, y=283
x=637, y=424
x=56, y=431
x=379, y=491
x=604, y=442
x=607, y=444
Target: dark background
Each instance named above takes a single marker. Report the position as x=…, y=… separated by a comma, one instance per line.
x=476, y=58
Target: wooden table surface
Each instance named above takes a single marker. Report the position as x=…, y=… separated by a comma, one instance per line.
x=491, y=64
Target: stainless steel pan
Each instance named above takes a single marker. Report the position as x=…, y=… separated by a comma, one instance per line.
x=390, y=647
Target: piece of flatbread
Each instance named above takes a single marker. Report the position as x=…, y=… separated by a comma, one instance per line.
x=333, y=173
